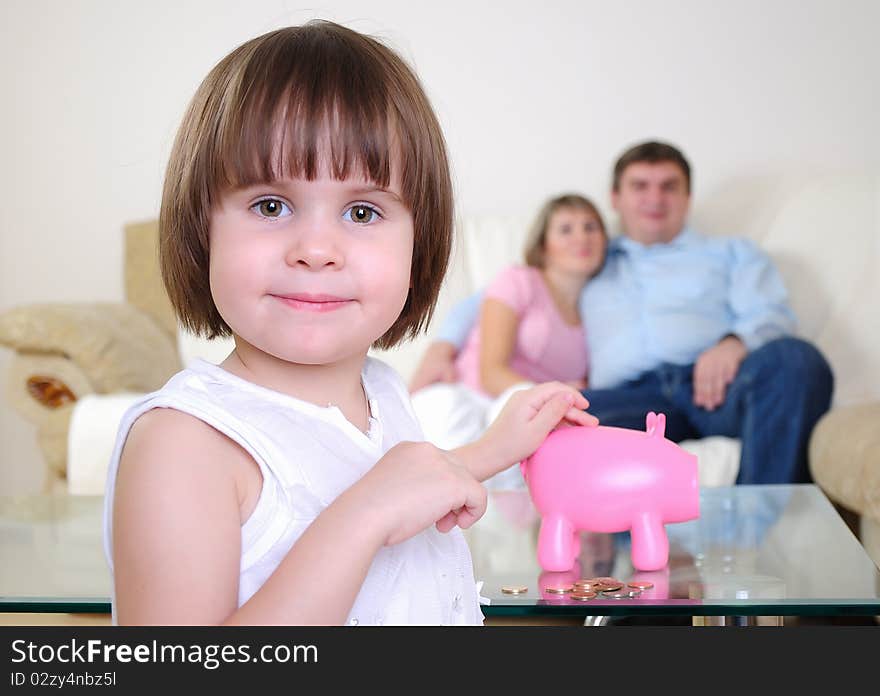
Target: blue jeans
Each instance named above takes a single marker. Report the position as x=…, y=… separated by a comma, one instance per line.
x=779, y=393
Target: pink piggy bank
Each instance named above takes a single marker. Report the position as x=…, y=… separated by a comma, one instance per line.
x=604, y=479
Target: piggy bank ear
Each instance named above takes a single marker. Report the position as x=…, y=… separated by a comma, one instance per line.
x=655, y=424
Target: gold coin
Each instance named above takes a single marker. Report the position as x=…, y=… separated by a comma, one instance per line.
x=641, y=585
x=514, y=589
x=559, y=589
x=615, y=594
x=608, y=586
x=584, y=585
x=583, y=595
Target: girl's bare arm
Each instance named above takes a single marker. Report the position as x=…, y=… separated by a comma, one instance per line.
x=177, y=528
x=177, y=537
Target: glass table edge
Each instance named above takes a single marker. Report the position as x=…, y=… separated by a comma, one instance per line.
x=70, y=605
x=615, y=608
x=627, y=608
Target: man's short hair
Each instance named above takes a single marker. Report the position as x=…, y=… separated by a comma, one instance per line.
x=652, y=152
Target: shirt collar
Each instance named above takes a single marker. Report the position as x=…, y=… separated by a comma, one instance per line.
x=622, y=243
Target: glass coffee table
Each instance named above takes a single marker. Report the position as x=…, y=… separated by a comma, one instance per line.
x=755, y=551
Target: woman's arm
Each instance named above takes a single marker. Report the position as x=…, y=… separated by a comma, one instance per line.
x=498, y=329
x=436, y=365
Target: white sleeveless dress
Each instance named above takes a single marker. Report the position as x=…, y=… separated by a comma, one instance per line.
x=308, y=455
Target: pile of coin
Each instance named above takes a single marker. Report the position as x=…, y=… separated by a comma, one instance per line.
x=589, y=588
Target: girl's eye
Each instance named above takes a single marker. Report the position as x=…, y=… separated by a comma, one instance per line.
x=361, y=214
x=271, y=208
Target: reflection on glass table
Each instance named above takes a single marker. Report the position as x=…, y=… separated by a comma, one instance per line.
x=51, y=555
x=754, y=551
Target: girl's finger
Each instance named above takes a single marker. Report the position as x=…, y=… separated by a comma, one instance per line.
x=578, y=417
x=581, y=402
x=447, y=522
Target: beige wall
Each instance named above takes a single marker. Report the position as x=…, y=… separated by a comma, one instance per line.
x=535, y=98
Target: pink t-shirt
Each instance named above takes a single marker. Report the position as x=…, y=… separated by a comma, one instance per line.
x=547, y=348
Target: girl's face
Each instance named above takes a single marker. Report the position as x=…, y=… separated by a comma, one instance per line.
x=311, y=272
x=574, y=242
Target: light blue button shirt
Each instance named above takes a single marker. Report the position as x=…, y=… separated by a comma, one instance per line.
x=667, y=303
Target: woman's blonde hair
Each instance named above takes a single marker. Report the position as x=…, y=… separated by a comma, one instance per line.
x=265, y=112
x=534, y=248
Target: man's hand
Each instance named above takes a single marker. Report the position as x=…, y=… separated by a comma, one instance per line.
x=715, y=369
x=437, y=365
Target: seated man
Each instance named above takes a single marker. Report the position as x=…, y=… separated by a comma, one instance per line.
x=696, y=327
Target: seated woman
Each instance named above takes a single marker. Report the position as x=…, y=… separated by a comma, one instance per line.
x=529, y=329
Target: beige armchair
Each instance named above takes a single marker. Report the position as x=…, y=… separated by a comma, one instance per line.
x=64, y=351
x=845, y=462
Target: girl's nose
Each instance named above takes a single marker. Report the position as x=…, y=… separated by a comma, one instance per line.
x=315, y=245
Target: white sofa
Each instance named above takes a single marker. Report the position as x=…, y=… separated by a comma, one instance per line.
x=823, y=233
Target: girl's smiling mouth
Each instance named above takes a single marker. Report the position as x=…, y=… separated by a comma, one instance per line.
x=314, y=302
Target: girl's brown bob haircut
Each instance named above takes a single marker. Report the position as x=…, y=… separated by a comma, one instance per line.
x=534, y=248
x=264, y=113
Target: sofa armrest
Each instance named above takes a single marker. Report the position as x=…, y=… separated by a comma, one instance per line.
x=845, y=457
x=117, y=347
x=64, y=352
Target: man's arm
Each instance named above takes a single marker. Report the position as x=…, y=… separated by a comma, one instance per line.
x=758, y=298
x=761, y=313
x=461, y=319
x=437, y=362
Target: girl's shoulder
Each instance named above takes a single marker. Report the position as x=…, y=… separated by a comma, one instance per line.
x=382, y=381
x=167, y=451
x=174, y=434
x=184, y=425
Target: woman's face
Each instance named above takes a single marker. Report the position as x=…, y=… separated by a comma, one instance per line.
x=574, y=242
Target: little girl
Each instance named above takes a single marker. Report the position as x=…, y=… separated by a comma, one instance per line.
x=307, y=211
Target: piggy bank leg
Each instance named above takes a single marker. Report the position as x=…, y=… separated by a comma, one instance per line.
x=558, y=543
x=650, y=546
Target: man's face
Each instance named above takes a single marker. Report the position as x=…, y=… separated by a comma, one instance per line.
x=652, y=200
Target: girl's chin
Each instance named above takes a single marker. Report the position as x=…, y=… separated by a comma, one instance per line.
x=326, y=354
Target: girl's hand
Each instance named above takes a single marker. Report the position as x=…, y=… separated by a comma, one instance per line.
x=528, y=417
x=416, y=485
